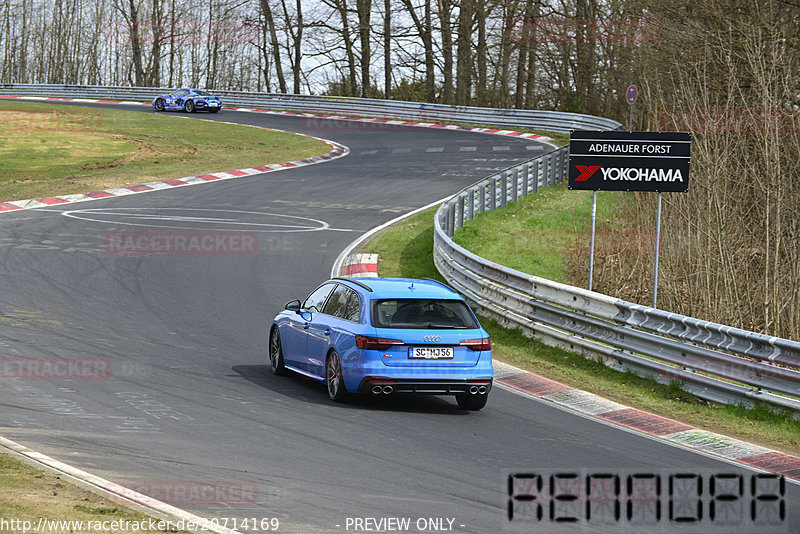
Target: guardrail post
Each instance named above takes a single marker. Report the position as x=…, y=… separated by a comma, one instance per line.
x=482, y=199
x=545, y=170
x=504, y=191
x=552, y=177
x=493, y=197
x=514, y=191
x=537, y=164
x=526, y=174
x=471, y=205
x=451, y=216
x=557, y=166
x=460, y=219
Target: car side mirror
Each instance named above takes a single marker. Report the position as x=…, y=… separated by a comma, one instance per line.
x=293, y=305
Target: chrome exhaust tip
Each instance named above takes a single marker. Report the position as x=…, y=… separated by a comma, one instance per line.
x=387, y=389
x=377, y=390
x=482, y=390
x=473, y=390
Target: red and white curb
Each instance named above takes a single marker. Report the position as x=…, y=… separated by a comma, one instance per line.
x=337, y=151
x=398, y=122
x=656, y=426
x=350, y=118
x=361, y=266
x=112, y=491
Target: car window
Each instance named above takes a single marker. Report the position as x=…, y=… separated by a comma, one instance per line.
x=422, y=313
x=202, y=93
x=352, y=311
x=316, y=300
x=180, y=92
x=337, y=302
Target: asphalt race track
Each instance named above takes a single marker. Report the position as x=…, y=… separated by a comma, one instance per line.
x=190, y=399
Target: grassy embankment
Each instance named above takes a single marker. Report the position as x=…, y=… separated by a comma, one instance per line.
x=47, y=149
x=28, y=494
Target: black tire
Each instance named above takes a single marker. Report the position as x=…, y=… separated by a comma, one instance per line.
x=213, y=110
x=334, y=380
x=472, y=402
x=189, y=106
x=276, y=352
x=159, y=104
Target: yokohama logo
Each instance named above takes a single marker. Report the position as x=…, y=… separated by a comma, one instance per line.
x=629, y=174
x=586, y=172
x=642, y=175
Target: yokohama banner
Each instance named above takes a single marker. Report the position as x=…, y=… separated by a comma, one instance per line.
x=629, y=161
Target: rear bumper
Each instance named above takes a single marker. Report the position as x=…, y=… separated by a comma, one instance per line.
x=425, y=386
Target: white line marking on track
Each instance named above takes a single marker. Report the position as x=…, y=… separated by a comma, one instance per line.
x=301, y=224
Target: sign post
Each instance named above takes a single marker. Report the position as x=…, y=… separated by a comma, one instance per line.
x=591, y=238
x=658, y=250
x=629, y=161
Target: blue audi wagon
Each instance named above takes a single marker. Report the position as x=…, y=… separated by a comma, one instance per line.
x=381, y=336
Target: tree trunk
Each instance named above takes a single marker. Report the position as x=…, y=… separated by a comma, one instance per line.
x=364, y=7
x=447, y=50
x=464, y=52
x=387, y=44
x=481, y=53
x=298, y=41
x=425, y=31
x=276, y=50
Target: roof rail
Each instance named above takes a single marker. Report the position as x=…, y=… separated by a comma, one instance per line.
x=356, y=282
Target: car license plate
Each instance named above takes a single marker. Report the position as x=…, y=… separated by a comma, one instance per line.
x=431, y=353
x=213, y=104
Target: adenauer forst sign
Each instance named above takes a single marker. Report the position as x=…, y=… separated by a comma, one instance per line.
x=629, y=161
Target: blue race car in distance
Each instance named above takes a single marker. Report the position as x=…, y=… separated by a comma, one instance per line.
x=379, y=336
x=190, y=100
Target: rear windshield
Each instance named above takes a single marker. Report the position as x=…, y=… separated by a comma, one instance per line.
x=422, y=313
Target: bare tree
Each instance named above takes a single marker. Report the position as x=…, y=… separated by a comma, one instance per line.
x=363, y=8
x=447, y=50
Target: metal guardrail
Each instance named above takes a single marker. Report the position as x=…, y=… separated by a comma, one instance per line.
x=553, y=121
x=713, y=361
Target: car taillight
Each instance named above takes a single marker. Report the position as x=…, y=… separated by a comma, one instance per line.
x=375, y=343
x=478, y=344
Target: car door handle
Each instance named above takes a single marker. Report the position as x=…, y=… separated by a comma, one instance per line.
x=327, y=331
x=305, y=326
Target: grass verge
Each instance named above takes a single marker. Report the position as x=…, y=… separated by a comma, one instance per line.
x=405, y=250
x=46, y=149
x=28, y=494
x=533, y=234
